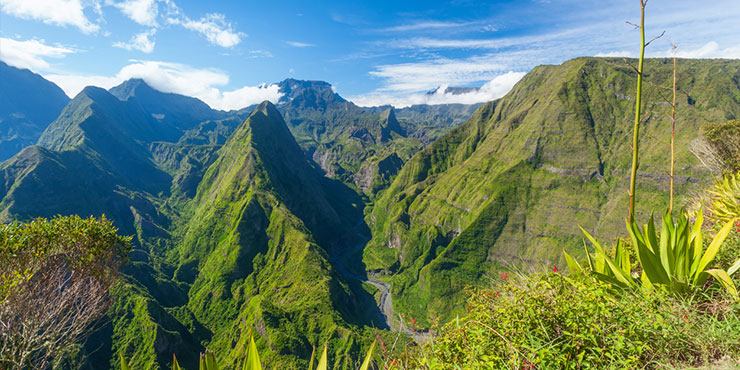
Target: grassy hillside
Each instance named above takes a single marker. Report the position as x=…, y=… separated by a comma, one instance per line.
x=512, y=185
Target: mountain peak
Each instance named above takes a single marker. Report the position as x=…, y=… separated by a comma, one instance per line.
x=170, y=109
x=269, y=110
x=308, y=94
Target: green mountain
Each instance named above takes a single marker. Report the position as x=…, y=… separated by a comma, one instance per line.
x=28, y=103
x=178, y=111
x=349, y=142
x=511, y=186
x=246, y=221
x=254, y=249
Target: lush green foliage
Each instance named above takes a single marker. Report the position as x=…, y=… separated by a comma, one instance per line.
x=55, y=277
x=252, y=361
x=725, y=198
x=724, y=147
x=512, y=185
x=553, y=321
x=674, y=260
x=88, y=244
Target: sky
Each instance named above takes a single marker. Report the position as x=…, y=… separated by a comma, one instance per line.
x=230, y=53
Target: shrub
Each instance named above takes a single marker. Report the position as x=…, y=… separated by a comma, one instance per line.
x=550, y=321
x=54, y=281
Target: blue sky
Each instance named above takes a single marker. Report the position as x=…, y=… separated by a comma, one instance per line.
x=374, y=52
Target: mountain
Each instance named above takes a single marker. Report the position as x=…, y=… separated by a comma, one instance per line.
x=348, y=141
x=255, y=249
x=28, y=103
x=178, y=111
x=511, y=186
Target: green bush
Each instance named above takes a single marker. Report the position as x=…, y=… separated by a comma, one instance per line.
x=550, y=321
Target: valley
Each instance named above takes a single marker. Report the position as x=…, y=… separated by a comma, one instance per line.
x=313, y=220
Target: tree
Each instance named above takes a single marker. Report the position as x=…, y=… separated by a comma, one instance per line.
x=55, y=277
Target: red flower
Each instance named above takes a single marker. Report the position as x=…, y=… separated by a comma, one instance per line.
x=505, y=276
x=496, y=294
x=554, y=269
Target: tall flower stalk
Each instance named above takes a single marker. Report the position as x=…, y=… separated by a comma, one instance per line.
x=638, y=102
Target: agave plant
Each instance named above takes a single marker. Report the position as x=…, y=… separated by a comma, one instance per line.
x=674, y=260
x=208, y=359
x=726, y=199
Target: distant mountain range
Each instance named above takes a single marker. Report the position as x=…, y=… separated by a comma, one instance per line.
x=28, y=103
x=256, y=220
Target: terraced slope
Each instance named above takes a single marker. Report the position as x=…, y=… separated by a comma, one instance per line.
x=514, y=183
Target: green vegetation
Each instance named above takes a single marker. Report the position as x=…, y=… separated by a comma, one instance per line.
x=511, y=186
x=674, y=260
x=252, y=361
x=55, y=277
x=557, y=322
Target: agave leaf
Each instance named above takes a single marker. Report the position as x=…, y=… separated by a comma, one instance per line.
x=573, y=265
x=622, y=276
x=175, y=365
x=253, y=357
x=735, y=266
x=588, y=257
x=211, y=361
x=124, y=364
x=608, y=279
x=651, y=238
x=724, y=279
x=368, y=357
x=651, y=265
x=713, y=248
x=667, y=235
x=202, y=362
x=310, y=363
x=322, y=360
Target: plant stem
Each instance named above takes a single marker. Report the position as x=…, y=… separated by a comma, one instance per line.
x=673, y=130
x=638, y=101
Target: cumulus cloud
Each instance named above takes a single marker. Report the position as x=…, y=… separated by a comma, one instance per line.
x=143, y=12
x=175, y=78
x=56, y=12
x=491, y=90
x=214, y=27
x=299, y=44
x=142, y=42
x=31, y=54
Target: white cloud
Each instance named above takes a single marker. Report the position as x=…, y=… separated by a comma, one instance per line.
x=259, y=54
x=175, y=78
x=708, y=50
x=427, y=25
x=426, y=75
x=299, y=44
x=30, y=54
x=491, y=90
x=248, y=95
x=141, y=42
x=143, y=12
x=214, y=27
x=56, y=12
x=711, y=49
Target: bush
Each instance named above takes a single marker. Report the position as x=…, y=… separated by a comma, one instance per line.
x=54, y=281
x=550, y=321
